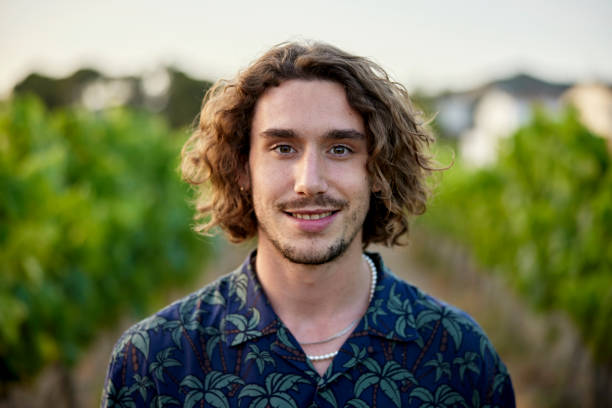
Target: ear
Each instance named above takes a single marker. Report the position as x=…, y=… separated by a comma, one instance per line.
x=244, y=178
x=376, y=187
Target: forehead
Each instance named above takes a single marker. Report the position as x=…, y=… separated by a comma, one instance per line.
x=305, y=106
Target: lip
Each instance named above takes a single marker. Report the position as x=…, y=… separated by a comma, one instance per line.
x=317, y=225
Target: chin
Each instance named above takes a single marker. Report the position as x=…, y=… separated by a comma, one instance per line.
x=312, y=256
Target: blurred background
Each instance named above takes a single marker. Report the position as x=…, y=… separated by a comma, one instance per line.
x=97, y=98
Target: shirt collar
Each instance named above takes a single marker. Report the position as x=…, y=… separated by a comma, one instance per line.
x=390, y=314
x=250, y=315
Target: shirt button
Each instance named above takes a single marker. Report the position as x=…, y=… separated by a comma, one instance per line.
x=370, y=349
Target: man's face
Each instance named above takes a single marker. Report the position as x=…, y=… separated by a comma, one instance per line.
x=307, y=166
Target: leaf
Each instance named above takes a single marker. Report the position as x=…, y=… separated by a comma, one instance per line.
x=445, y=394
x=153, y=323
x=211, y=378
x=425, y=317
x=140, y=340
x=254, y=320
x=422, y=393
x=284, y=382
x=161, y=401
x=282, y=336
x=329, y=396
x=391, y=390
x=216, y=399
x=357, y=403
x=454, y=330
x=193, y=397
x=475, y=399
x=176, y=337
x=371, y=365
x=400, y=326
x=213, y=298
x=211, y=343
x=238, y=320
x=282, y=400
x=191, y=381
x=365, y=381
x=225, y=380
x=261, y=402
x=239, y=288
x=251, y=390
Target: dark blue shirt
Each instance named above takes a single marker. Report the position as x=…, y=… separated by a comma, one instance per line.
x=224, y=346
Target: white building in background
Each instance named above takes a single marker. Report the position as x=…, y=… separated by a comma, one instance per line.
x=481, y=117
x=496, y=115
x=594, y=105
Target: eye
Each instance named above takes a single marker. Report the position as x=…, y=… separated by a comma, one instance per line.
x=283, y=149
x=340, y=150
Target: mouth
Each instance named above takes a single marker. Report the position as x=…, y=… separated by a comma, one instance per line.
x=311, y=216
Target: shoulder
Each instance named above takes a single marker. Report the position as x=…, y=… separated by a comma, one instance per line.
x=448, y=338
x=173, y=326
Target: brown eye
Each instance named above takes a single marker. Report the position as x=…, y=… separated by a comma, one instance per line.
x=340, y=150
x=284, y=149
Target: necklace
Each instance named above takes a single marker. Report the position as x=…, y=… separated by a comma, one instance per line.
x=351, y=324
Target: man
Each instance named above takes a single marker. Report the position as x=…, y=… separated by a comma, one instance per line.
x=317, y=153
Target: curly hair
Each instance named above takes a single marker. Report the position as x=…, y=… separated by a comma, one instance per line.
x=216, y=155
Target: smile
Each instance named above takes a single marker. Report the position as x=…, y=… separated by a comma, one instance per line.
x=311, y=216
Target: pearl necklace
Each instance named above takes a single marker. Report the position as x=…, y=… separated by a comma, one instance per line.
x=351, y=324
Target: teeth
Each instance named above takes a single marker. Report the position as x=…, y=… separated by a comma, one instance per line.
x=312, y=216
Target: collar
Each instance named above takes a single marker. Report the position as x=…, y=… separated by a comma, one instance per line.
x=250, y=316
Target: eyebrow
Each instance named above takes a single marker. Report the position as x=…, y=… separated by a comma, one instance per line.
x=332, y=134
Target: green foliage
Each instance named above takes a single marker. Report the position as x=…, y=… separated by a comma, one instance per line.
x=93, y=222
x=542, y=216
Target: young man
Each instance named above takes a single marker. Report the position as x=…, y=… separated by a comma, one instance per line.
x=317, y=154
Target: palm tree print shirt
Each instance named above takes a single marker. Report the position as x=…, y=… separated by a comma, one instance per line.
x=224, y=346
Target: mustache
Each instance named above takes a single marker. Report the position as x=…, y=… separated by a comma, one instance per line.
x=316, y=201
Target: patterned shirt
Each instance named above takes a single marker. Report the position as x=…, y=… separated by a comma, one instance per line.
x=224, y=346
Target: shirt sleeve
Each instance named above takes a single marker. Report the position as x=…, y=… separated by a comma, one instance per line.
x=127, y=383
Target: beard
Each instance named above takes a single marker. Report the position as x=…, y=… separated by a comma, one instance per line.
x=314, y=255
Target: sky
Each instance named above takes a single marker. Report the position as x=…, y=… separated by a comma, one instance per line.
x=426, y=45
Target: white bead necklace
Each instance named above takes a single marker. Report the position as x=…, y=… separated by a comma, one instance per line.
x=350, y=326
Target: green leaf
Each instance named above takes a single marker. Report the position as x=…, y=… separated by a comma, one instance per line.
x=161, y=401
x=238, y=320
x=282, y=400
x=216, y=399
x=224, y=380
x=193, y=397
x=251, y=390
x=140, y=340
x=422, y=393
x=454, y=330
x=191, y=381
x=278, y=382
x=391, y=390
x=357, y=403
x=364, y=381
x=239, y=288
x=426, y=317
x=329, y=396
x=371, y=365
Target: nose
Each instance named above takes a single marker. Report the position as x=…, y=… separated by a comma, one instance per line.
x=310, y=177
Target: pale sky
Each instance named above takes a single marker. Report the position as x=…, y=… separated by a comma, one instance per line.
x=430, y=45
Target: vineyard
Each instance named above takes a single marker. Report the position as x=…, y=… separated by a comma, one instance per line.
x=94, y=224
x=542, y=218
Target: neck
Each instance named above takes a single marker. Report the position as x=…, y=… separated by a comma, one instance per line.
x=313, y=299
